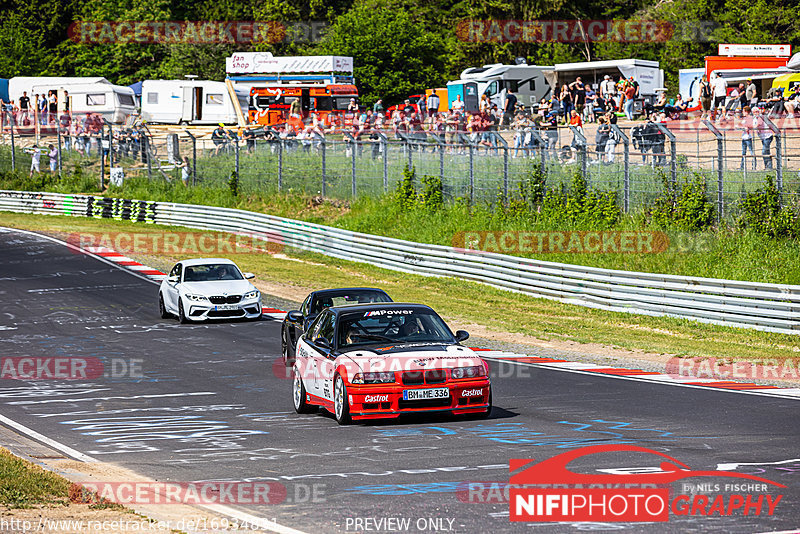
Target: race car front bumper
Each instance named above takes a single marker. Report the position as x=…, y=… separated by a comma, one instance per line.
x=202, y=311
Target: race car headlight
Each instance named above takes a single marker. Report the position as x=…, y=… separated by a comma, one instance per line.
x=373, y=378
x=251, y=295
x=469, y=372
x=196, y=298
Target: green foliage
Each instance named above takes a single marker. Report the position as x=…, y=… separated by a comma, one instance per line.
x=406, y=192
x=233, y=184
x=432, y=195
x=581, y=206
x=683, y=205
x=762, y=212
x=406, y=197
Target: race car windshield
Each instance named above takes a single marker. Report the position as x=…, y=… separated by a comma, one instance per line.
x=392, y=326
x=355, y=296
x=211, y=273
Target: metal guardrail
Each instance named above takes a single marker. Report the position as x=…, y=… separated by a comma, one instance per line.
x=770, y=307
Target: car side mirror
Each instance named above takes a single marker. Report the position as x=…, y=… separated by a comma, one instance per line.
x=295, y=316
x=323, y=342
x=172, y=279
x=249, y=276
x=462, y=335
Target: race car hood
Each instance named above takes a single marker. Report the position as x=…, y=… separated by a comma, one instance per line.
x=219, y=287
x=411, y=357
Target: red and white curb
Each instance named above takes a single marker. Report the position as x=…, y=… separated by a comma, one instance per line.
x=154, y=274
x=517, y=358
x=638, y=374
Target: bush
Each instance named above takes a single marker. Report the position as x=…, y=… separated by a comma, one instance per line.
x=761, y=211
x=581, y=206
x=432, y=195
x=406, y=194
x=430, y=198
x=684, y=205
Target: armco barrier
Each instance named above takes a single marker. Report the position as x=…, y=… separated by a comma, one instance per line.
x=772, y=307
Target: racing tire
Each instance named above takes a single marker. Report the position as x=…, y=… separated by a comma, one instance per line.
x=299, y=395
x=341, y=406
x=162, y=310
x=288, y=359
x=181, y=316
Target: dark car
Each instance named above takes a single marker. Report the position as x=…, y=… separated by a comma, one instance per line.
x=297, y=322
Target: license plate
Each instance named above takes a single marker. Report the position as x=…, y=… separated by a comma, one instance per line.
x=226, y=307
x=423, y=394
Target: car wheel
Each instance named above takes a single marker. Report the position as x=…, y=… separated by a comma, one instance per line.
x=288, y=359
x=341, y=406
x=299, y=394
x=161, y=308
x=181, y=316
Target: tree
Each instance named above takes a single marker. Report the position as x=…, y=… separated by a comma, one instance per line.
x=394, y=55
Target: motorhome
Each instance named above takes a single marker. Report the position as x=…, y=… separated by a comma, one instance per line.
x=323, y=85
x=528, y=82
x=647, y=74
x=86, y=95
x=190, y=102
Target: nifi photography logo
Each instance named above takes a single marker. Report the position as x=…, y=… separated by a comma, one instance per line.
x=547, y=491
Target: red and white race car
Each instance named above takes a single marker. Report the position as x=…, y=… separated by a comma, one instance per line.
x=375, y=361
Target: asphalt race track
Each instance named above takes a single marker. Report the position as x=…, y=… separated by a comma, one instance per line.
x=207, y=402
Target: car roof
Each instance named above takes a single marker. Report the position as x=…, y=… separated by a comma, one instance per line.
x=378, y=306
x=203, y=261
x=339, y=290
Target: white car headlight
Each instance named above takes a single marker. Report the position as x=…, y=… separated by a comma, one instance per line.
x=196, y=298
x=469, y=372
x=373, y=378
x=251, y=295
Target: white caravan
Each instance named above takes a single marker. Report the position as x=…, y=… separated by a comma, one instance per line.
x=87, y=95
x=529, y=83
x=189, y=102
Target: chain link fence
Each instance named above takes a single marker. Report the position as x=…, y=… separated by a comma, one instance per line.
x=637, y=162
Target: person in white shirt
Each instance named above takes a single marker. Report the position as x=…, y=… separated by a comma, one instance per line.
x=608, y=88
x=720, y=87
x=457, y=104
x=433, y=104
x=36, y=156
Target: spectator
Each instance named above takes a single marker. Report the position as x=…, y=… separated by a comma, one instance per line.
x=576, y=122
x=186, y=169
x=601, y=136
x=484, y=105
x=608, y=89
x=630, y=100
x=352, y=107
x=720, y=90
x=746, y=125
x=578, y=90
x=42, y=108
x=66, y=101
x=706, y=94
x=458, y=104
x=422, y=107
x=53, y=155
x=219, y=138
x=24, y=109
x=295, y=110
x=751, y=93
x=87, y=132
x=565, y=97
x=36, y=155
x=378, y=107
x=743, y=98
x=433, y=103
x=52, y=107
x=64, y=123
x=407, y=107
x=509, y=108
x=766, y=135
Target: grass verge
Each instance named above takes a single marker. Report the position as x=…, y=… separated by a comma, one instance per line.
x=465, y=303
x=23, y=484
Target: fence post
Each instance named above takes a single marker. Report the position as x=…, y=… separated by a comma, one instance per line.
x=280, y=161
x=13, y=150
x=103, y=159
x=776, y=133
x=146, y=146
x=626, y=176
x=408, y=150
x=236, y=148
x=384, y=151
x=471, y=173
x=720, y=171
x=324, y=170
x=502, y=142
x=673, y=160
x=194, y=156
x=58, y=130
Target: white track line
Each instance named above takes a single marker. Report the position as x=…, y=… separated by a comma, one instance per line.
x=69, y=451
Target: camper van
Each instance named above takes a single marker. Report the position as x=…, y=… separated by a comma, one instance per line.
x=189, y=102
x=528, y=82
x=86, y=95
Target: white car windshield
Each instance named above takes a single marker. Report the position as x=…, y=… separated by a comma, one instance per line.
x=393, y=326
x=211, y=272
